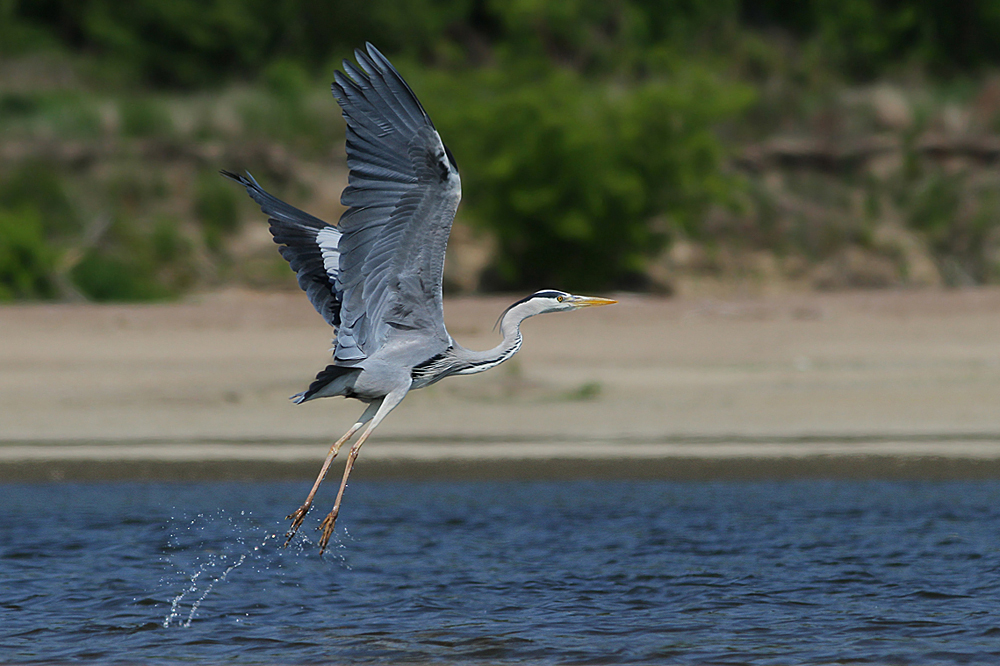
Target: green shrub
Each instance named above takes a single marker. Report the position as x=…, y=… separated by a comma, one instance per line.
x=27, y=263
x=18, y=105
x=291, y=107
x=131, y=189
x=39, y=186
x=960, y=219
x=287, y=80
x=216, y=207
x=569, y=174
x=136, y=261
x=104, y=277
x=48, y=114
x=144, y=117
x=167, y=243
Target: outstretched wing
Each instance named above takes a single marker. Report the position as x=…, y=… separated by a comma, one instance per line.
x=308, y=244
x=403, y=191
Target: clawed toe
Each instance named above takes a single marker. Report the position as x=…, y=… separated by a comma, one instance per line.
x=327, y=526
x=296, y=517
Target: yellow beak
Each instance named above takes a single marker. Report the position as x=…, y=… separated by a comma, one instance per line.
x=591, y=301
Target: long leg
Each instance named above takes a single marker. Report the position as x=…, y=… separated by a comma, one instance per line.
x=388, y=403
x=299, y=514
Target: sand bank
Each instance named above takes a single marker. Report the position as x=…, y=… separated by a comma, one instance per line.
x=876, y=380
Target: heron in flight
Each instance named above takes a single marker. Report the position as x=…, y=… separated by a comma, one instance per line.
x=376, y=276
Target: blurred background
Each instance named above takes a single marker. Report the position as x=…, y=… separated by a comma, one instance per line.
x=666, y=147
x=816, y=183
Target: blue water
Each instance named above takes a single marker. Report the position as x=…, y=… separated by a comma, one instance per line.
x=540, y=572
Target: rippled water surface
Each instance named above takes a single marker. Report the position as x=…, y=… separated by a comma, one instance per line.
x=540, y=572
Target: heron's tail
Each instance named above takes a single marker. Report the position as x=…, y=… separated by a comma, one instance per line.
x=332, y=380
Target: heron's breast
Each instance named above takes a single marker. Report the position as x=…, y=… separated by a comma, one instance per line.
x=379, y=378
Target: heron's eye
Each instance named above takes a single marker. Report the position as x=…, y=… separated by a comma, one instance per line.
x=560, y=298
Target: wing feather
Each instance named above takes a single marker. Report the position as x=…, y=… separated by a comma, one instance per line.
x=378, y=273
x=396, y=111
x=309, y=244
x=401, y=90
x=402, y=196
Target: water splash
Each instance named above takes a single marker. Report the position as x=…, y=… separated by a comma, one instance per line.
x=208, y=588
x=175, y=604
x=217, y=542
x=301, y=544
x=205, y=579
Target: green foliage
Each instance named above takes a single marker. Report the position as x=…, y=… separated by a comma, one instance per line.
x=133, y=263
x=62, y=114
x=934, y=203
x=865, y=38
x=287, y=80
x=285, y=108
x=19, y=36
x=144, y=117
x=181, y=42
x=196, y=42
x=588, y=132
x=27, y=263
x=103, y=277
x=960, y=220
x=39, y=187
x=568, y=173
x=217, y=209
x=167, y=243
x=190, y=43
x=130, y=190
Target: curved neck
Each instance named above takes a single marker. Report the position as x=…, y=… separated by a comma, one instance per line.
x=510, y=329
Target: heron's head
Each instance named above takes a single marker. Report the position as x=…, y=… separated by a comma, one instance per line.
x=551, y=300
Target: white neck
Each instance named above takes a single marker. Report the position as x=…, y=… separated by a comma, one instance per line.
x=510, y=329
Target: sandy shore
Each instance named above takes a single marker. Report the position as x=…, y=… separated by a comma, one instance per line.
x=863, y=383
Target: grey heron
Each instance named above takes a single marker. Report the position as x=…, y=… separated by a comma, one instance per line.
x=376, y=276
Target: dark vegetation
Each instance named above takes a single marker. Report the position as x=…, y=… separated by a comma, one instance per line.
x=627, y=144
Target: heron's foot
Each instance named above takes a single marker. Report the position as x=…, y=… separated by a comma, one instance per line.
x=327, y=527
x=296, y=517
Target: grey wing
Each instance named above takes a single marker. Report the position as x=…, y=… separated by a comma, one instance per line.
x=308, y=244
x=403, y=191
